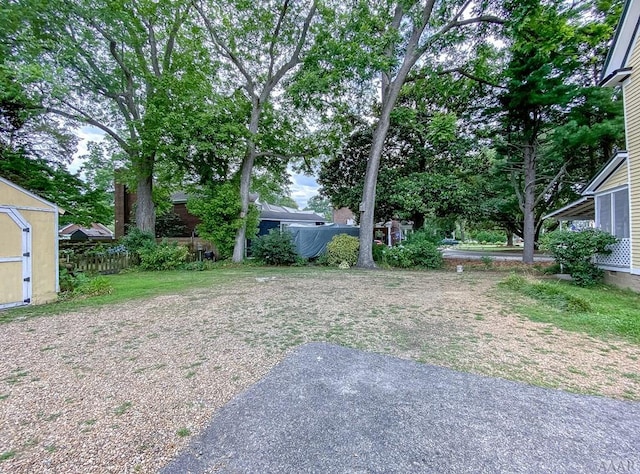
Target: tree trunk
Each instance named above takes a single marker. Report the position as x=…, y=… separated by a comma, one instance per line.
x=509, y=238
x=145, y=209
x=367, y=206
x=245, y=183
x=529, y=230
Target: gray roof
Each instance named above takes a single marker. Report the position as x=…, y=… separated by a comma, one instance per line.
x=271, y=212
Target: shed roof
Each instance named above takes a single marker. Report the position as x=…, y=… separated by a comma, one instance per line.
x=31, y=195
x=583, y=209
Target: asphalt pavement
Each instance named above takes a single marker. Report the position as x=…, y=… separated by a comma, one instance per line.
x=511, y=255
x=329, y=409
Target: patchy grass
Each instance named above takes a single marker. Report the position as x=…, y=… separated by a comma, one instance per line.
x=7, y=455
x=601, y=311
x=122, y=409
x=140, y=285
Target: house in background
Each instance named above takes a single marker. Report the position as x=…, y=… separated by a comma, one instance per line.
x=78, y=233
x=271, y=216
x=612, y=198
x=280, y=217
x=344, y=215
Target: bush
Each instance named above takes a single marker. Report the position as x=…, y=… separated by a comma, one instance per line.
x=94, y=287
x=275, y=248
x=343, y=248
x=419, y=250
x=137, y=241
x=218, y=207
x=80, y=285
x=414, y=253
x=399, y=256
x=164, y=256
x=489, y=236
x=425, y=235
x=575, y=251
x=378, y=251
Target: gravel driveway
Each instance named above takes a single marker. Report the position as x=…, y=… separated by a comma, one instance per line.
x=124, y=388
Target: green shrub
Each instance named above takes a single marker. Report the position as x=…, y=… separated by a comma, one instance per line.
x=94, y=287
x=219, y=207
x=343, y=248
x=80, y=285
x=378, y=253
x=136, y=242
x=425, y=254
x=163, y=256
x=399, y=256
x=419, y=250
x=489, y=236
x=275, y=248
x=575, y=251
x=424, y=235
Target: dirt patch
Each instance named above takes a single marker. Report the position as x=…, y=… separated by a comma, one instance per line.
x=121, y=389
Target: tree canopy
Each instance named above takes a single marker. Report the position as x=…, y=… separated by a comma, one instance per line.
x=482, y=112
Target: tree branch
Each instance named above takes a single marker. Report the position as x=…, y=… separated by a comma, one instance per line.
x=518, y=191
x=473, y=77
x=295, y=57
x=553, y=182
x=86, y=118
x=225, y=50
x=179, y=20
x=153, y=45
x=276, y=32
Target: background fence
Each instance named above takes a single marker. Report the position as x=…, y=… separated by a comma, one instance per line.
x=97, y=263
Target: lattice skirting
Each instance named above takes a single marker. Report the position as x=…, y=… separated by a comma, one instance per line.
x=619, y=257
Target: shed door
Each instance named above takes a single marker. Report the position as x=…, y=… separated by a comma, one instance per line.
x=15, y=259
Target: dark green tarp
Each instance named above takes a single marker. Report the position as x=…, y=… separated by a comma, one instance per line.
x=311, y=241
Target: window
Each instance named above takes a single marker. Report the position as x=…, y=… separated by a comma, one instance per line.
x=612, y=213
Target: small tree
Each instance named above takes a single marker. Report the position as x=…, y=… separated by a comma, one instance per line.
x=218, y=207
x=575, y=251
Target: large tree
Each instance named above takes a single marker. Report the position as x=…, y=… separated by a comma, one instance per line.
x=261, y=45
x=432, y=159
x=557, y=126
x=112, y=65
x=384, y=41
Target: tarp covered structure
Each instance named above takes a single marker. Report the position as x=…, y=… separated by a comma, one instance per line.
x=311, y=240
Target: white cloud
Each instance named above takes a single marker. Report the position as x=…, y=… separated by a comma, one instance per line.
x=303, y=188
x=86, y=134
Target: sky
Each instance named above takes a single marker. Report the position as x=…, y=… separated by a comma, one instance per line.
x=302, y=188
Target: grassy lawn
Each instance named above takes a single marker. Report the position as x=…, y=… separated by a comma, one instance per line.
x=486, y=248
x=140, y=285
x=600, y=311
x=139, y=370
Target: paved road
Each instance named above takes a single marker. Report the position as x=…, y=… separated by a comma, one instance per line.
x=504, y=256
x=329, y=409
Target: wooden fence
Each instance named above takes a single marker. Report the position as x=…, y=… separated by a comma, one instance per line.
x=103, y=264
